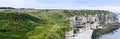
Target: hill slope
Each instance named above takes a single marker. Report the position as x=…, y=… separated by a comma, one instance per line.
x=38, y=24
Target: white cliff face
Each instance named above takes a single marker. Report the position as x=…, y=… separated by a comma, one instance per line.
x=118, y=18
x=84, y=35
x=114, y=35
x=85, y=24
x=94, y=20
x=85, y=21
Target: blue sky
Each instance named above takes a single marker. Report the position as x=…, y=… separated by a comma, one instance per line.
x=112, y=5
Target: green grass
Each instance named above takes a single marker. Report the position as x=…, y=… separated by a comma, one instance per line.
x=15, y=25
x=37, y=24
x=54, y=28
x=96, y=33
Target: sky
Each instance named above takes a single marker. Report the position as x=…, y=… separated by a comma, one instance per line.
x=111, y=5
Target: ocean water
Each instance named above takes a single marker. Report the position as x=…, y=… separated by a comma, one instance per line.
x=114, y=35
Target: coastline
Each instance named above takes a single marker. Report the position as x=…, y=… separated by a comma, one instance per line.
x=108, y=28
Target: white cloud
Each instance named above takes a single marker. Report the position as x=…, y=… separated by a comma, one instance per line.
x=110, y=8
x=57, y=5
x=16, y=3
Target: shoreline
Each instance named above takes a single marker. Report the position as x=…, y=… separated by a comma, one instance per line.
x=108, y=28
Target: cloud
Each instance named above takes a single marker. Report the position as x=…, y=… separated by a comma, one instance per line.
x=16, y=3
x=110, y=8
x=61, y=4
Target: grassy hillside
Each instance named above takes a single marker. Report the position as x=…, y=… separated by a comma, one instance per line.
x=15, y=25
x=37, y=24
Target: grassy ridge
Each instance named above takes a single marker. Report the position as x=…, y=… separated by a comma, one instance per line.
x=15, y=25
x=54, y=28
x=37, y=24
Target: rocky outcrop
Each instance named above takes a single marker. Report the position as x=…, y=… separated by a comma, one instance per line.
x=88, y=22
x=94, y=21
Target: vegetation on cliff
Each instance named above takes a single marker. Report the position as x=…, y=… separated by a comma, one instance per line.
x=15, y=25
x=108, y=28
x=37, y=24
